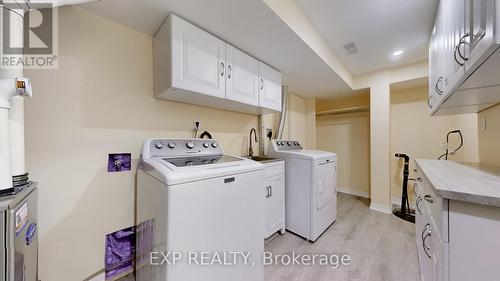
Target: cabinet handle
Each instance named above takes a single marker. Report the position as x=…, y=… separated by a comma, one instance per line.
x=222, y=68
x=261, y=84
x=419, y=179
x=429, y=102
x=426, y=233
x=415, y=187
x=229, y=71
x=455, y=56
x=419, y=199
x=270, y=191
x=428, y=198
x=436, y=87
x=457, y=48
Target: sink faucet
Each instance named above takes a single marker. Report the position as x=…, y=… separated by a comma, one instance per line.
x=250, y=148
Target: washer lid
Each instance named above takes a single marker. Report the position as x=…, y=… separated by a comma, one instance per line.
x=201, y=160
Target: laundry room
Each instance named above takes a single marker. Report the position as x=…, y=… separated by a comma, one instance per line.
x=249, y=140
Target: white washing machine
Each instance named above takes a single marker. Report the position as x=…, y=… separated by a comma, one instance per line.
x=193, y=203
x=310, y=188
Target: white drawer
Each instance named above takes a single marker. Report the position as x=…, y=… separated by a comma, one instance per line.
x=437, y=206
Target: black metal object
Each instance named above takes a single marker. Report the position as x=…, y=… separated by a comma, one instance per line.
x=445, y=155
x=405, y=212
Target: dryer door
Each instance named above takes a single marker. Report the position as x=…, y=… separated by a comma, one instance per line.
x=325, y=185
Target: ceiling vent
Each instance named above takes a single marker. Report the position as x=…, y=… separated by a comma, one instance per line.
x=351, y=48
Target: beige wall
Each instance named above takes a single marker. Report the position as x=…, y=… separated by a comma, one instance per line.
x=413, y=132
x=419, y=135
x=348, y=135
x=300, y=121
x=489, y=138
x=100, y=101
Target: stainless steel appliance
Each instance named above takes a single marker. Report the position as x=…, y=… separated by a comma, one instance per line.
x=19, y=235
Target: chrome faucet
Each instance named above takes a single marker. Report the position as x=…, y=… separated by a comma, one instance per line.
x=250, y=148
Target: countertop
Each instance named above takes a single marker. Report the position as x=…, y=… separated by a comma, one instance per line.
x=467, y=182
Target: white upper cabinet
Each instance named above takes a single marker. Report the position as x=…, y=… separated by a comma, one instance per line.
x=457, y=36
x=242, y=77
x=270, y=87
x=464, y=57
x=480, y=31
x=438, y=80
x=193, y=66
x=198, y=59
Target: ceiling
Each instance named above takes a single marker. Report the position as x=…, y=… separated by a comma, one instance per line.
x=377, y=27
x=247, y=24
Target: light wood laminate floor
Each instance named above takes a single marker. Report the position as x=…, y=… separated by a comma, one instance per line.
x=381, y=247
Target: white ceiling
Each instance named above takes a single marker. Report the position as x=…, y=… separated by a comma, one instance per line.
x=247, y=24
x=377, y=27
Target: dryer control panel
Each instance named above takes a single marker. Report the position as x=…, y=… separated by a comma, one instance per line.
x=280, y=145
x=168, y=148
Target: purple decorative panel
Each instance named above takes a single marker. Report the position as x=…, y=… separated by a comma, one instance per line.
x=119, y=162
x=120, y=252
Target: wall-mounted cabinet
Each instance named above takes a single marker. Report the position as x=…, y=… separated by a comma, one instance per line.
x=464, y=57
x=193, y=66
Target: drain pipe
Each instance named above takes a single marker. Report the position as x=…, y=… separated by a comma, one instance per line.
x=282, y=114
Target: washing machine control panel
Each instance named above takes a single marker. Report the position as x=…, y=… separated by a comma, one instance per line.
x=183, y=147
x=280, y=145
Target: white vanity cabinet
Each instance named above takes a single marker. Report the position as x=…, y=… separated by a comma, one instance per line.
x=275, y=197
x=457, y=221
x=193, y=66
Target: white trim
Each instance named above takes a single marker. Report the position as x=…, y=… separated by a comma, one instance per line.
x=380, y=208
x=353, y=191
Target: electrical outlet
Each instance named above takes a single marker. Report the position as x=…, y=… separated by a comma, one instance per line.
x=269, y=133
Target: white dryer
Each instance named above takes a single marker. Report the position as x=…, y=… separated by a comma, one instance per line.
x=310, y=188
x=195, y=202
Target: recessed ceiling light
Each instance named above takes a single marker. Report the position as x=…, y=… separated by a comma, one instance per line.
x=397, y=53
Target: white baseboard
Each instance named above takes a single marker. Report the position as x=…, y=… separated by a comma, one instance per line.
x=353, y=191
x=395, y=201
x=380, y=208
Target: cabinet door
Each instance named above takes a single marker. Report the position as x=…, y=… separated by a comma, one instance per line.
x=198, y=60
x=455, y=54
x=269, y=87
x=437, y=46
x=242, y=79
x=275, y=204
x=426, y=255
x=480, y=28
